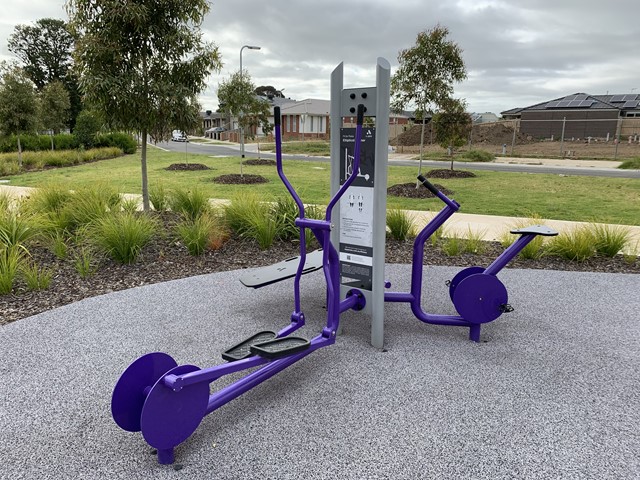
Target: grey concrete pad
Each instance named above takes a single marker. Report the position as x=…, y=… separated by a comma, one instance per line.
x=551, y=392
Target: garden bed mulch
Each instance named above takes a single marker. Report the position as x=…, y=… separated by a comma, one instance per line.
x=237, y=179
x=443, y=173
x=187, y=167
x=166, y=259
x=259, y=161
x=409, y=190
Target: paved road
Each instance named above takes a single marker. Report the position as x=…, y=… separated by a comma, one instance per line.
x=232, y=151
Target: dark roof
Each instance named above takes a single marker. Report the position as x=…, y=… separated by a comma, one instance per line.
x=513, y=111
x=580, y=101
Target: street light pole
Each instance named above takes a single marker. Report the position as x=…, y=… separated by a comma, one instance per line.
x=250, y=47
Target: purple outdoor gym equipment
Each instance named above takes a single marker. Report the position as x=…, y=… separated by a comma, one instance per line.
x=167, y=402
x=477, y=294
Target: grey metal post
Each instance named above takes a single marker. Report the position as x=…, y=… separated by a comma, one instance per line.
x=376, y=100
x=383, y=84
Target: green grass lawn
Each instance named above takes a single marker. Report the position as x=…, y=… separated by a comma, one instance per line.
x=578, y=198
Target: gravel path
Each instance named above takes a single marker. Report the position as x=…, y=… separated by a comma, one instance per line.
x=550, y=393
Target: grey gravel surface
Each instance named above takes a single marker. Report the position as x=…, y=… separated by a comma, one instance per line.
x=551, y=392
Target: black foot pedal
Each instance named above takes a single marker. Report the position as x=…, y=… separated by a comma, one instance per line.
x=506, y=308
x=280, y=347
x=242, y=350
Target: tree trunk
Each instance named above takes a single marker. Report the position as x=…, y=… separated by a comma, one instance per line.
x=421, y=149
x=145, y=185
x=19, y=152
x=52, y=147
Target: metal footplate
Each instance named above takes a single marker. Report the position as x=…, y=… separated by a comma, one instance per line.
x=243, y=350
x=536, y=230
x=280, y=347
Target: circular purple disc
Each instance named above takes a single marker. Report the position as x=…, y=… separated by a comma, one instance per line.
x=169, y=418
x=478, y=298
x=129, y=393
x=461, y=275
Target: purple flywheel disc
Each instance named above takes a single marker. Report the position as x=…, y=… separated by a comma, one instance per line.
x=478, y=298
x=169, y=418
x=131, y=389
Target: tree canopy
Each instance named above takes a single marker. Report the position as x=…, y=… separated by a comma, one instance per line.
x=54, y=106
x=143, y=63
x=268, y=91
x=18, y=104
x=426, y=74
x=427, y=71
x=44, y=49
x=452, y=124
x=237, y=97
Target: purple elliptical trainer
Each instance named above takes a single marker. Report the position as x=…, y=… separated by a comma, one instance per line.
x=167, y=401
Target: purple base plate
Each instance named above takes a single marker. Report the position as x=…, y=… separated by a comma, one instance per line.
x=169, y=418
x=131, y=389
x=478, y=298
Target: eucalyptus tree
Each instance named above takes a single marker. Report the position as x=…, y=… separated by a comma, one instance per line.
x=18, y=104
x=143, y=63
x=54, y=108
x=426, y=74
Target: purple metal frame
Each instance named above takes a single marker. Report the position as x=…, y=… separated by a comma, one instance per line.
x=183, y=381
x=414, y=296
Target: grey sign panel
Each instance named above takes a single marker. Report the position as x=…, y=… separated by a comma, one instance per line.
x=356, y=210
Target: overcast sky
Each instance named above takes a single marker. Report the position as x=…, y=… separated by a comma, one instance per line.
x=517, y=53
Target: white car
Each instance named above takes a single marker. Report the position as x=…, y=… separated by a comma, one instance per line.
x=178, y=136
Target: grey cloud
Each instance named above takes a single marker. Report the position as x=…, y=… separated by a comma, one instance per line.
x=517, y=53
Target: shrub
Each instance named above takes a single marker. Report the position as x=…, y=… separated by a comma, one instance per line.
x=159, y=198
x=86, y=128
x=401, y=225
x=190, y=204
x=123, y=141
x=123, y=235
x=284, y=212
x=250, y=218
x=474, y=242
x=239, y=212
x=5, y=203
x=452, y=245
x=608, y=240
x=633, y=164
x=478, y=156
x=59, y=245
x=195, y=234
x=85, y=262
x=16, y=231
x=576, y=244
x=10, y=262
x=36, y=278
x=130, y=204
x=89, y=205
x=437, y=236
x=51, y=199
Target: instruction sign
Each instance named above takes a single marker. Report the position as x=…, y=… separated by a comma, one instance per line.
x=356, y=210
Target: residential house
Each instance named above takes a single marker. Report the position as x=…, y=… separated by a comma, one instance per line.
x=580, y=115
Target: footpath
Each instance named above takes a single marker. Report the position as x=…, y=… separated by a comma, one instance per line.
x=485, y=227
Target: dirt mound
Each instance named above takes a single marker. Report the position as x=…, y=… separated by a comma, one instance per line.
x=236, y=179
x=411, y=136
x=409, y=190
x=259, y=161
x=187, y=167
x=448, y=173
x=488, y=134
x=497, y=134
